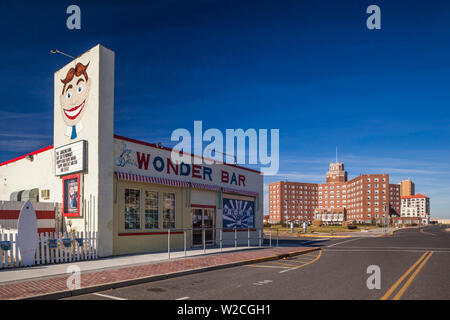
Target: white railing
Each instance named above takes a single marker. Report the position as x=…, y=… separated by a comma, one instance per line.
x=217, y=239
x=52, y=248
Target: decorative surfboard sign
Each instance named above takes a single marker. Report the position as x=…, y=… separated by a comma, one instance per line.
x=27, y=237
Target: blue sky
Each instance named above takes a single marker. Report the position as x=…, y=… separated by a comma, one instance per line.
x=309, y=68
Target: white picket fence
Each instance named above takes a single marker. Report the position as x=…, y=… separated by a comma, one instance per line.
x=47, y=255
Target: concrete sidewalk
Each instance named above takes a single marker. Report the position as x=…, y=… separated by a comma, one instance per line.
x=50, y=282
x=51, y=270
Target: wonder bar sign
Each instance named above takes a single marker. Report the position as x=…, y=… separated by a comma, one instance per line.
x=156, y=162
x=70, y=158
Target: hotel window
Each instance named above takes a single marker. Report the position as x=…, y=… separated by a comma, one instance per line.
x=151, y=210
x=169, y=210
x=132, y=209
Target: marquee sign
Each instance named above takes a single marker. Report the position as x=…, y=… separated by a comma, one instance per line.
x=70, y=158
x=135, y=159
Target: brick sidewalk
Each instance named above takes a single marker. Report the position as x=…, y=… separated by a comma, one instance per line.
x=56, y=287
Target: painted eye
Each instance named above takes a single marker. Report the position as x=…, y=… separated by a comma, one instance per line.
x=80, y=88
x=68, y=95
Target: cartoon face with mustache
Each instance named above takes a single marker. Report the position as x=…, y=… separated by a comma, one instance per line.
x=74, y=98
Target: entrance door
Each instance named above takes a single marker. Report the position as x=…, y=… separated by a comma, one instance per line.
x=197, y=216
x=208, y=223
x=203, y=219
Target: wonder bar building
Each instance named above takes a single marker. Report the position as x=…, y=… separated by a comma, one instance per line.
x=130, y=191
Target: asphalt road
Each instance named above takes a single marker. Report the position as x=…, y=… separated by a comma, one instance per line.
x=413, y=264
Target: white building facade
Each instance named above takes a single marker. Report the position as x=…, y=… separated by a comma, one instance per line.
x=416, y=207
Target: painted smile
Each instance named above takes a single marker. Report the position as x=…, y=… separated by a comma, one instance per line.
x=75, y=111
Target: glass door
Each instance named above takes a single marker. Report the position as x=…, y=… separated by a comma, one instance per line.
x=197, y=216
x=203, y=219
x=208, y=224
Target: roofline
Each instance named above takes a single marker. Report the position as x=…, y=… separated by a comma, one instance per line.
x=417, y=196
x=28, y=154
x=170, y=149
x=285, y=181
x=130, y=140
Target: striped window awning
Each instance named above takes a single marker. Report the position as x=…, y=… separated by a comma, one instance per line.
x=178, y=183
x=150, y=179
x=205, y=186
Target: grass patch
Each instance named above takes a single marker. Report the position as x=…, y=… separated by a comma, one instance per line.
x=321, y=229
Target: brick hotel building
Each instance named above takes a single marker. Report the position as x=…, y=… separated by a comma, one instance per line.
x=364, y=199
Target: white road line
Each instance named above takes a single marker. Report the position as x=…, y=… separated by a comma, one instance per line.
x=335, y=244
x=183, y=298
x=287, y=270
x=255, y=266
x=107, y=296
x=261, y=283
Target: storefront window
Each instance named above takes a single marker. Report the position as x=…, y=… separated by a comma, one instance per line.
x=151, y=210
x=169, y=210
x=132, y=209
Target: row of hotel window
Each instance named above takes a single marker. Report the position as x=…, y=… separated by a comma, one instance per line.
x=326, y=187
x=150, y=201
x=330, y=207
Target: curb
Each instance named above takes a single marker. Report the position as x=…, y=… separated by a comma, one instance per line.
x=125, y=283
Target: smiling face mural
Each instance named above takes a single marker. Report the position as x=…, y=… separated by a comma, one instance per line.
x=74, y=98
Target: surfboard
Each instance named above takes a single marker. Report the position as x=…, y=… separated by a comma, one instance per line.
x=27, y=237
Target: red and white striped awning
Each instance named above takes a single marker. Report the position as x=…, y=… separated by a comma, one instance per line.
x=205, y=186
x=150, y=179
x=247, y=193
x=178, y=183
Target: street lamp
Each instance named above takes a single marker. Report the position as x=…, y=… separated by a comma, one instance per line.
x=53, y=51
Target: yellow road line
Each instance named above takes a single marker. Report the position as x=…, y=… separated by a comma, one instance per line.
x=263, y=266
x=309, y=254
x=281, y=263
x=302, y=261
x=322, y=236
x=315, y=259
x=406, y=285
x=397, y=283
x=290, y=263
x=305, y=264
